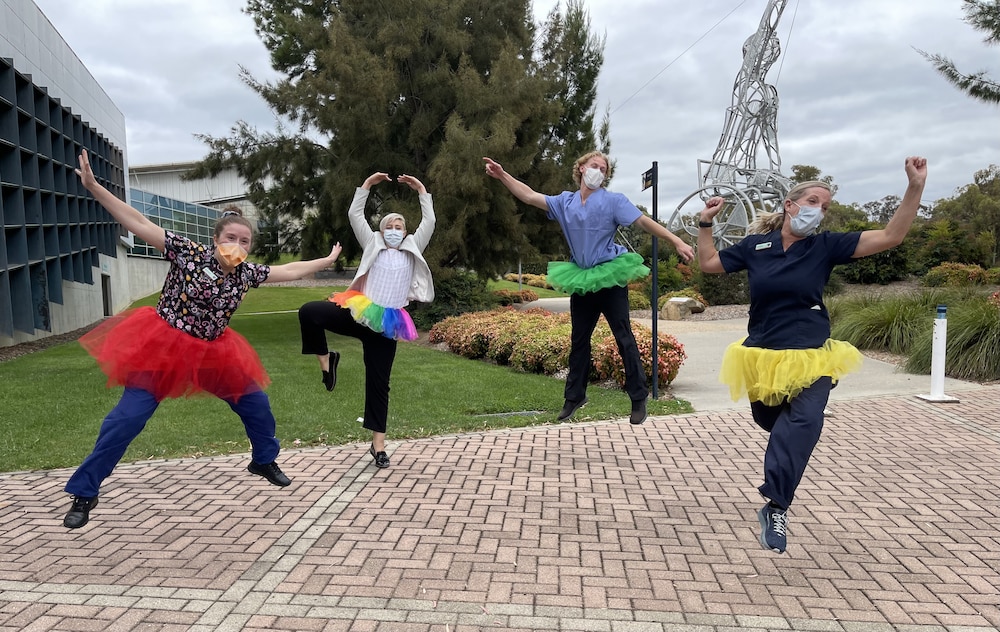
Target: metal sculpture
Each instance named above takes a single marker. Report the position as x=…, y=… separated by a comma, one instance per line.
x=751, y=123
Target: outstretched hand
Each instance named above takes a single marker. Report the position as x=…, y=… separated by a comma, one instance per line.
x=335, y=252
x=493, y=168
x=85, y=172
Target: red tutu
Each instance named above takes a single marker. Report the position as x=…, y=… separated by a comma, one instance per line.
x=139, y=349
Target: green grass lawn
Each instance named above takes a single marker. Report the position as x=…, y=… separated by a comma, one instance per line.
x=52, y=401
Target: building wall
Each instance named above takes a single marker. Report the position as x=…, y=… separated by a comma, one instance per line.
x=62, y=264
x=223, y=190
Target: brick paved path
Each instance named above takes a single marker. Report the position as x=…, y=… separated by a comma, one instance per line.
x=591, y=527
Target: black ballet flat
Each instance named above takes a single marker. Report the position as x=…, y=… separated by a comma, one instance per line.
x=381, y=458
x=330, y=377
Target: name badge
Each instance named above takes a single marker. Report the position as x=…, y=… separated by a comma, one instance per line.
x=211, y=275
x=764, y=245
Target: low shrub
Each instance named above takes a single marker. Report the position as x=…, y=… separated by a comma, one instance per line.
x=538, y=341
x=509, y=297
x=951, y=274
x=534, y=280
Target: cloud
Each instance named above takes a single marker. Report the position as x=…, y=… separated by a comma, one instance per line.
x=855, y=96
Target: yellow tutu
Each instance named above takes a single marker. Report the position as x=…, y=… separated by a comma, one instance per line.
x=770, y=376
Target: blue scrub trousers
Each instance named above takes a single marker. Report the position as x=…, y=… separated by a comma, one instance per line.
x=129, y=417
x=584, y=311
x=795, y=426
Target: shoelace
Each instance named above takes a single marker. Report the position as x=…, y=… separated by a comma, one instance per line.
x=779, y=522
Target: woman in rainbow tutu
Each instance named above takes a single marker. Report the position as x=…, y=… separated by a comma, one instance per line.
x=597, y=278
x=392, y=272
x=184, y=346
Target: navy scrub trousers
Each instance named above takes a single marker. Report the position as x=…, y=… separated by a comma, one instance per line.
x=795, y=426
x=127, y=419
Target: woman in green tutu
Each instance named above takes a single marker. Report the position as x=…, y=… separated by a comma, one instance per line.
x=600, y=270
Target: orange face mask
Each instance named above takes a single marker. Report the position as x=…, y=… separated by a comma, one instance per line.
x=231, y=255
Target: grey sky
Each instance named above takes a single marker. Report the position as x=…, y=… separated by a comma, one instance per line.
x=855, y=97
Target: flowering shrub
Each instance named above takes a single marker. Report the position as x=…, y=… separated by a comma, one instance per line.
x=509, y=297
x=955, y=275
x=608, y=363
x=538, y=341
x=534, y=280
x=994, y=299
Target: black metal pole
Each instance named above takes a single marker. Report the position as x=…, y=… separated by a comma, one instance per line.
x=656, y=284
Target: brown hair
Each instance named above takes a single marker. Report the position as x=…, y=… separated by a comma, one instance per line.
x=770, y=222
x=231, y=215
x=586, y=158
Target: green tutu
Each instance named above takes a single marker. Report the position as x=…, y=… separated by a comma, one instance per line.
x=568, y=277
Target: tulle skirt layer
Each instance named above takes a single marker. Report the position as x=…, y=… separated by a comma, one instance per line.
x=391, y=322
x=770, y=376
x=139, y=349
x=568, y=277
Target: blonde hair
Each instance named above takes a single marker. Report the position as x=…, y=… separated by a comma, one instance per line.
x=388, y=218
x=770, y=222
x=582, y=160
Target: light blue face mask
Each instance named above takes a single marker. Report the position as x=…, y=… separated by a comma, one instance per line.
x=806, y=221
x=393, y=237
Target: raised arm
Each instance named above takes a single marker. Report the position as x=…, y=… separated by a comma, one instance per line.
x=298, y=269
x=130, y=218
x=708, y=256
x=520, y=190
x=874, y=241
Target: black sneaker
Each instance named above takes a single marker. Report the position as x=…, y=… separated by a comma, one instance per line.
x=330, y=377
x=773, y=528
x=639, y=414
x=271, y=472
x=79, y=512
x=569, y=408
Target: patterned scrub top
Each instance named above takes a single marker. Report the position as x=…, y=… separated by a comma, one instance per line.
x=198, y=298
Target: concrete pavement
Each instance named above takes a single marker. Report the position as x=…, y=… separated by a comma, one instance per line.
x=591, y=527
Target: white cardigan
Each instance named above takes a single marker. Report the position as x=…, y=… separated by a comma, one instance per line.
x=421, y=285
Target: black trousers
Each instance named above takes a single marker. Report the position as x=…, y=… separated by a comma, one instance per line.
x=318, y=317
x=584, y=311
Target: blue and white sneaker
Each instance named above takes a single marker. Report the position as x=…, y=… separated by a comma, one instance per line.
x=773, y=528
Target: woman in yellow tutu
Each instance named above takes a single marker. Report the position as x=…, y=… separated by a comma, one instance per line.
x=788, y=363
x=600, y=270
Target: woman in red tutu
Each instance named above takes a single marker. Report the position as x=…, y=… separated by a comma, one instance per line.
x=392, y=272
x=184, y=346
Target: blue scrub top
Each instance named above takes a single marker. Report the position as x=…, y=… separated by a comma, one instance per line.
x=786, y=286
x=590, y=228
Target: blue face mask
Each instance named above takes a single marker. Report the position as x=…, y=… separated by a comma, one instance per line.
x=806, y=221
x=393, y=237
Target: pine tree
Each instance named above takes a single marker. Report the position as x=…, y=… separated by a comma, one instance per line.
x=982, y=15
x=423, y=87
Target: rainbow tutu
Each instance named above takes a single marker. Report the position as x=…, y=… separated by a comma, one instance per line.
x=391, y=322
x=568, y=277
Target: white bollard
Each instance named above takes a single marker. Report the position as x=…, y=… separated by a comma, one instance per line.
x=938, y=352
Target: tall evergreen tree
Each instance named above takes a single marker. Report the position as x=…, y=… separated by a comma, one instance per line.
x=982, y=15
x=424, y=87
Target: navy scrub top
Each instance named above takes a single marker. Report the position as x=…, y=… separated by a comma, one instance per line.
x=786, y=286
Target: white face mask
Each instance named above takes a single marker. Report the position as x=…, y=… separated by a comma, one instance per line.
x=393, y=237
x=593, y=178
x=806, y=221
